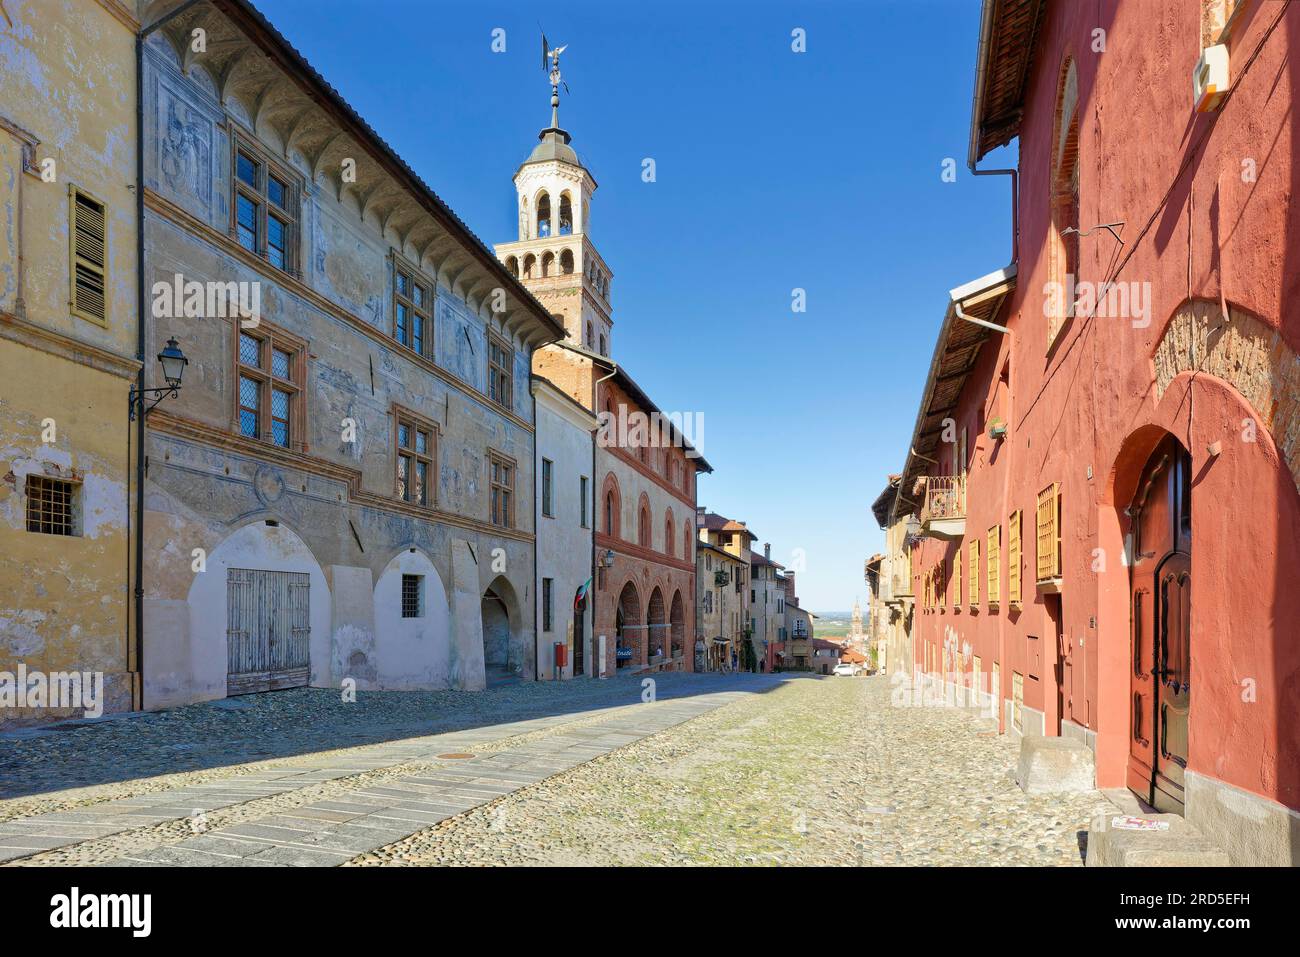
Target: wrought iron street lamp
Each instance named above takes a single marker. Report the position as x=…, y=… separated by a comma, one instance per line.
x=173, y=364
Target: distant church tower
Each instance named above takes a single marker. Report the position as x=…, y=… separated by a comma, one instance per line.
x=554, y=256
x=856, y=628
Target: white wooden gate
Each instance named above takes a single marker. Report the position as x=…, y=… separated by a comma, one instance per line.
x=267, y=630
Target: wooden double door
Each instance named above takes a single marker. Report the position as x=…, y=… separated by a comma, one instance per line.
x=268, y=630
x=1160, y=593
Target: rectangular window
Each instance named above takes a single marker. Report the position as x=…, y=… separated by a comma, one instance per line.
x=270, y=367
x=88, y=238
x=412, y=596
x=548, y=470
x=974, y=571
x=1048, y=533
x=265, y=201
x=412, y=310
x=547, y=589
x=500, y=362
x=582, y=492
x=501, y=472
x=51, y=506
x=417, y=441
x=1013, y=558
x=994, y=561
x=957, y=581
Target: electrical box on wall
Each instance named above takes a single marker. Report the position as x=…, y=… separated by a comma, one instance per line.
x=1210, y=78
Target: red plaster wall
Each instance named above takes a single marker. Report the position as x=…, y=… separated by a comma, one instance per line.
x=1091, y=402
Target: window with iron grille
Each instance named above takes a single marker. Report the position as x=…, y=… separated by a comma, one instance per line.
x=501, y=361
x=548, y=587
x=265, y=200
x=88, y=237
x=270, y=367
x=501, y=472
x=417, y=441
x=412, y=596
x=412, y=310
x=51, y=506
x=583, y=497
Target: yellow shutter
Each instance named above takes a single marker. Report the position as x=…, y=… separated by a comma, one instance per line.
x=974, y=571
x=957, y=580
x=1013, y=558
x=88, y=254
x=994, y=559
x=1048, y=533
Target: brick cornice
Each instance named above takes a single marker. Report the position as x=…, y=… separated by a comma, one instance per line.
x=180, y=217
x=641, y=553
x=186, y=428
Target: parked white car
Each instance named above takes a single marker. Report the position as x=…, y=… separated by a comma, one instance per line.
x=847, y=668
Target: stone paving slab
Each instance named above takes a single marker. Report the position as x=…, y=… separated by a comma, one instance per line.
x=370, y=816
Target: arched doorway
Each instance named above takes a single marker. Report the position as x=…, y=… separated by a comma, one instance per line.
x=500, y=611
x=677, y=627
x=657, y=634
x=627, y=625
x=1160, y=627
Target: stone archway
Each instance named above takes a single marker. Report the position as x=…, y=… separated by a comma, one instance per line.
x=627, y=626
x=499, y=608
x=656, y=643
x=677, y=627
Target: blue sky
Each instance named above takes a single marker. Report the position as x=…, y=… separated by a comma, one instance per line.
x=775, y=170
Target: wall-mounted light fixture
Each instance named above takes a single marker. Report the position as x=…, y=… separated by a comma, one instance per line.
x=173, y=364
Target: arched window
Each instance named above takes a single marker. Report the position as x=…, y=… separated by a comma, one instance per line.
x=513, y=265
x=530, y=264
x=670, y=534
x=543, y=215
x=612, y=506
x=687, y=540
x=604, y=351
x=1064, y=249
x=566, y=215
x=643, y=528
x=548, y=263
x=566, y=262
x=587, y=341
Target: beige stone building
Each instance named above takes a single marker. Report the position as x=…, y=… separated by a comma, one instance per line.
x=69, y=349
x=766, y=604
x=895, y=591
x=722, y=601
x=343, y=492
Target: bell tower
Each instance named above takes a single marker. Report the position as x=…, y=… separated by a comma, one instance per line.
x=553, y=255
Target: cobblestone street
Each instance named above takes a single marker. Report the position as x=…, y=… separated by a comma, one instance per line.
x=737, y=769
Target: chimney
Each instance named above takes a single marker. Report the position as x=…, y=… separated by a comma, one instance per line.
x=700, y=512
x=767, y=550
x=790, y=595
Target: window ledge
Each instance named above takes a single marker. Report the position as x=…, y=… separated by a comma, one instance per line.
x=1050, y=586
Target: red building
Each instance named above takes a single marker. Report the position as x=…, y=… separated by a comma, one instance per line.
x=1107, y=515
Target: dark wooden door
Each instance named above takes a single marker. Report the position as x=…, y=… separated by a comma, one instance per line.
x=578, y=636
x=268, y=630
x=1160, y=595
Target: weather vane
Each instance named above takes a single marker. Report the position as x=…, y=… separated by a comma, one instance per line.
x=551, y=64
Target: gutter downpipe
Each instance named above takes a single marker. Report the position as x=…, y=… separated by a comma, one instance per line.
x=141, y=340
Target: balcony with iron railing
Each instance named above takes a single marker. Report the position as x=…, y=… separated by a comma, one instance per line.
x=943, y=510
